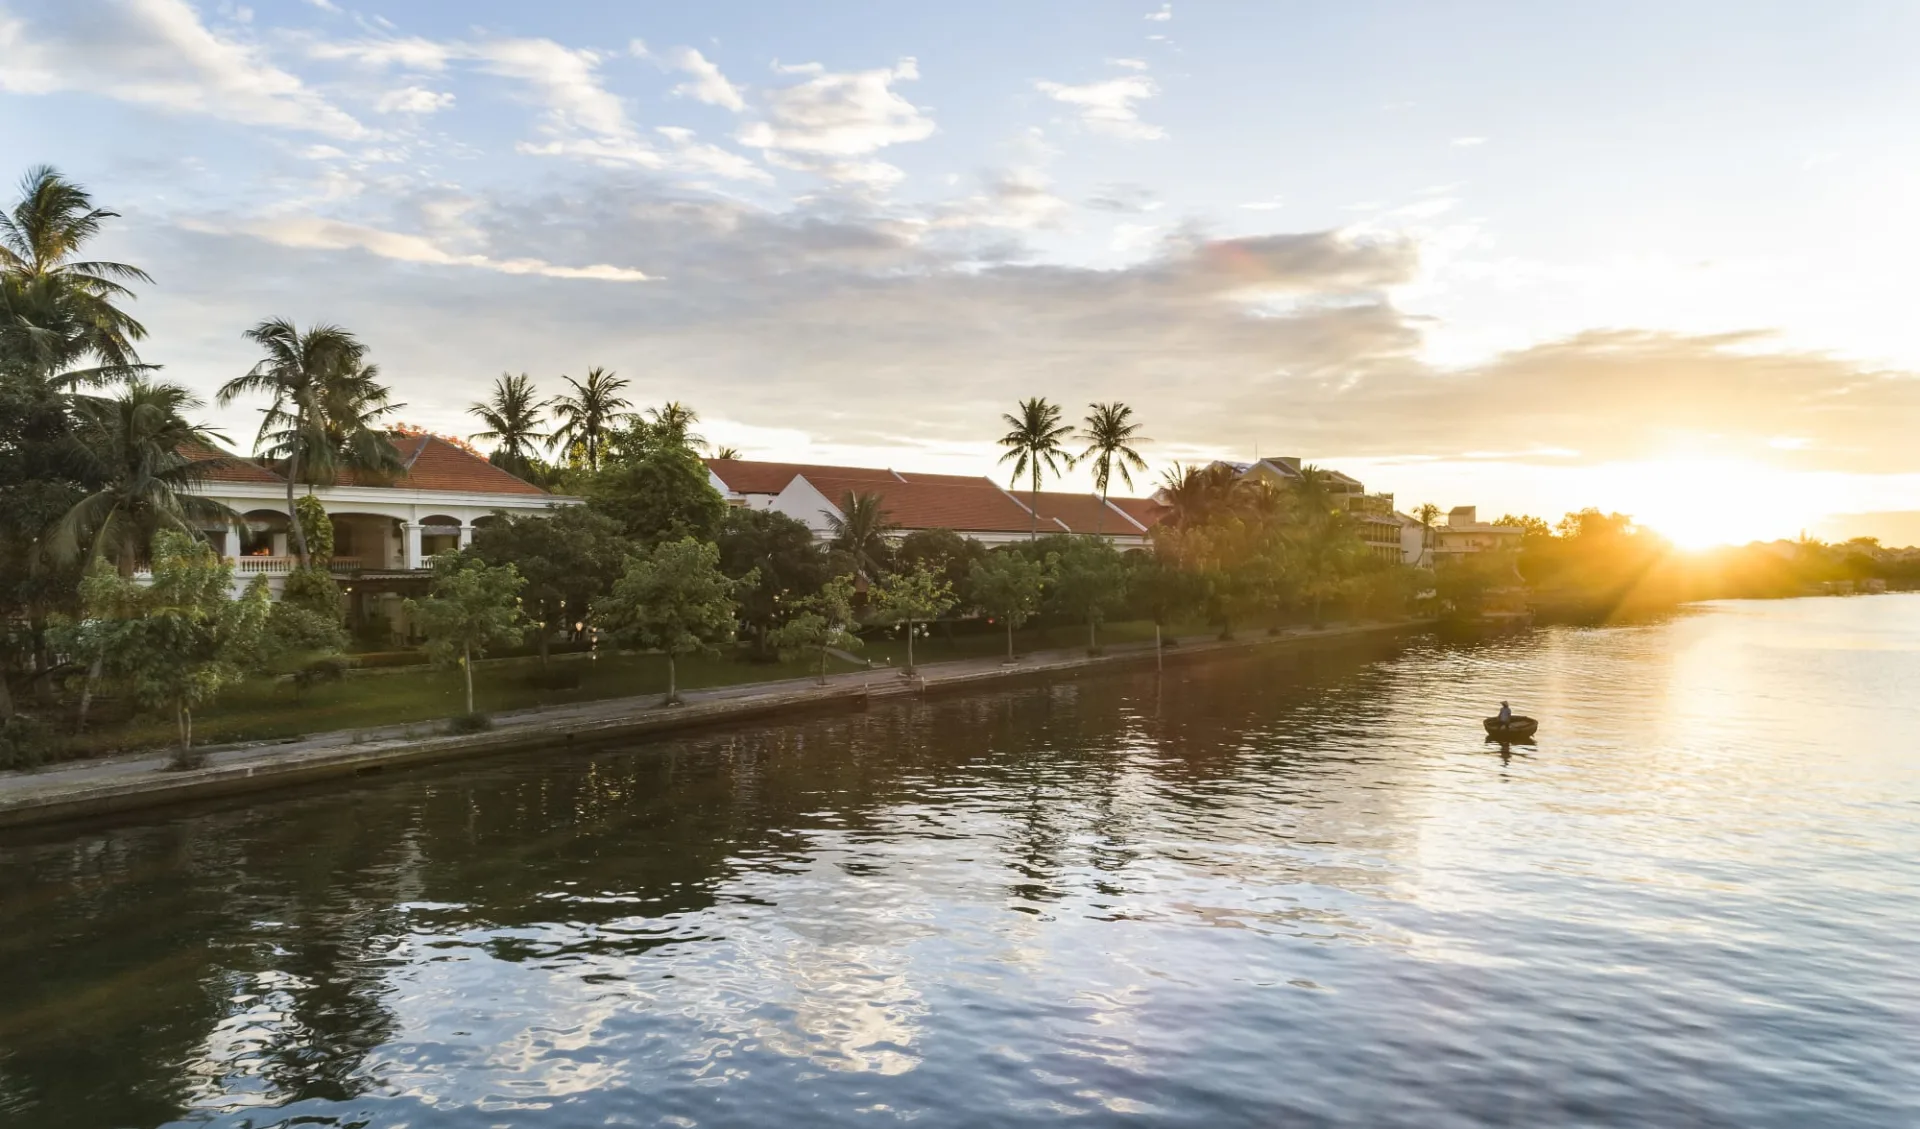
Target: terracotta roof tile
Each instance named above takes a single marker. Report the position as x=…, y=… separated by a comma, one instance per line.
x=969, y=505
x=431, y=464
x=746, y=476
x=227, y=466
x=1146, y=511
x=1082, y=513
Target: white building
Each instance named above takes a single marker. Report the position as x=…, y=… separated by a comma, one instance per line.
x=1465, y=533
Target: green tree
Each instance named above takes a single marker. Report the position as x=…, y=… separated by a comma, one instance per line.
x=673, y=599
x=134, y=446
x=1090, y=580
x=944, y=551
x=317, y=524
x=470, y=607
x=178, y=640
x=1033, y=442
x=1325, y=550
x=1528, y=525
x=512, y=414
x=589, y=415
x=1113, y=439
x=912, y=597
x=294, y=375
x=727, y=453
x=663, y=496
x=786, y=563
x=1197, y=495
x=821, y=623
x=1428, y=515
x=57, y=308
x=861, y=530
x=569, y=556
x=1009, y=586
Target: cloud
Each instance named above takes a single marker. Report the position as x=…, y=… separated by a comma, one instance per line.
x=1130, y=64
x=1468, y=142
x=1018, y=200
x=707, y=84
x=1125, y=198
x=1107, y=106
x=1162, y=16
x=1271, y=205
x=158, y=53
x=315, y=233
x=413, y=100
x=832, y=116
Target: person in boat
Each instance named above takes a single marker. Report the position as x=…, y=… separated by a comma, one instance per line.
x=1506, y=714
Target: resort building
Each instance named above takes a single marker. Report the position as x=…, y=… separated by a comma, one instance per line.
x=1382, y=529
x=383, y=532
x=975, y=507
x=1465, y=533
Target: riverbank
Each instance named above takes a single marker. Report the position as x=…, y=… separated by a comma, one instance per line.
x=87, y=789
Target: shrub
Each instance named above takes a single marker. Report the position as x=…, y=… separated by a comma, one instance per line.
x=376, y=659
x=24, y=743
x=469, y=723
x=332, y=668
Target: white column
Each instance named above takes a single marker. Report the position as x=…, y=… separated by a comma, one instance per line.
x=280, y=545
x=236, y=533
x=412, y=532
x=466, y=534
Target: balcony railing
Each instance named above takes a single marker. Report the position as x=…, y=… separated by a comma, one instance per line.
x=273, y=566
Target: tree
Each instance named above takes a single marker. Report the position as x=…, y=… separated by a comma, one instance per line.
x=673, y=599
x=663, y=496
x=512, y=414
x=727, y=453
x=912, y=597
x=1196, y=494
x=1427, y=515
x=589, y=415
x=821, y=623
x=787, y=566
x=673, y=422
x=1325, y=550
x=56, y=308
x=470, y=607
x=1033, y=443
x=178, y=640
x=861, y=529
x=1089, y=581
x=569, y=556
x=1112, y=441
x=306, y=617
x=1009, y=587
x=942, y=550
x=294, y=375
x=133, y=445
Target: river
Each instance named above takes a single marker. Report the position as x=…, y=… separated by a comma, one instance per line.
x=1289, y=890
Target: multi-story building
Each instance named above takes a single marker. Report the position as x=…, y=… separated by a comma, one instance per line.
x=1465, y=533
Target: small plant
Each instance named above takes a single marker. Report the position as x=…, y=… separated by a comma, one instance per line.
x=24, y=743
x=469, y=723
x=332, y=668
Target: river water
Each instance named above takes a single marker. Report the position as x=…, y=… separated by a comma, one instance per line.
x=1292, y=890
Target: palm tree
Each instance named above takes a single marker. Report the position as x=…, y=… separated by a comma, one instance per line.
x=861, y=530
x=1196, y=493
x=672, y=425
x=1111, y=437
x=727, y=453
x=512, y=415
x=1427, y=514
x=144, y=453
x=296, y=373
x=349, y=435
x=56, y=308
x=1033, y=446
x=590, y=414
x=1313, y=491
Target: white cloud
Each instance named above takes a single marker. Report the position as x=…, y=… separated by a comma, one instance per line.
x=159, y=53
x=1130, y=64
x=832, y=116
x=1468, y=142
x=707, y=84
x=1016, y=200
x=1107, y=106
x=315, y=233
x=1268, y=205
x=1163, y=15
x=325, y=5
x=413, y=100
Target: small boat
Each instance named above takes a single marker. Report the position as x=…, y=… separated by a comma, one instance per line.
x=1518, y=729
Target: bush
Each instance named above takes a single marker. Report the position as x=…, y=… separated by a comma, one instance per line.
x=24, y=743
x=332, y=668
x=469, y=723
x=376, y=659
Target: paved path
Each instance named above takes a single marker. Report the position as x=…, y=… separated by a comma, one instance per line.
x=93, y=787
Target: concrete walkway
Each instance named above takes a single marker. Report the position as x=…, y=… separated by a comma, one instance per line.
x=81, y=789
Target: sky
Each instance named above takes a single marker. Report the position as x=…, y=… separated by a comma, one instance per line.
x=1641, y=256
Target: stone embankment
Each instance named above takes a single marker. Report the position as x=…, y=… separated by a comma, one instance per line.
x=86, y=789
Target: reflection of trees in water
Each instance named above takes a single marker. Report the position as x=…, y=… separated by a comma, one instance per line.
x=252, y=951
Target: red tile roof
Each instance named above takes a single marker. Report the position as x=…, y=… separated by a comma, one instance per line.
x=225, y=466
x=431, y=464
x=973, y=505
x=1146, y=511
x=1082, y=513
x=745, y=476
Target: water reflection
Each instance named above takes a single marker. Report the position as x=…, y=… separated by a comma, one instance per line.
x=1298, y=888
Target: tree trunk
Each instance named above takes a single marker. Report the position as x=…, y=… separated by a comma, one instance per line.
x=1093, y=634
x=1035, y=535
x=185, y=729
x=86, y=692
x=1159, y=652
x=1010, y=639
x=823, y=664
x=543, y=646
x=6, y=696
x=293, y=514
x=909, y=647
x=1100, y=515
x=466, y=666
x=673, y=686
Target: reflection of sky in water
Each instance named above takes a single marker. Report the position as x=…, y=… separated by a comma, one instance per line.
x=1288, y=890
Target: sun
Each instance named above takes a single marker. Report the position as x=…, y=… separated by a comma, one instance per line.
x=1699, y=501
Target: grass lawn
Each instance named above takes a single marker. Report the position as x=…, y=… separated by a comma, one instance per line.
x=266, y=710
